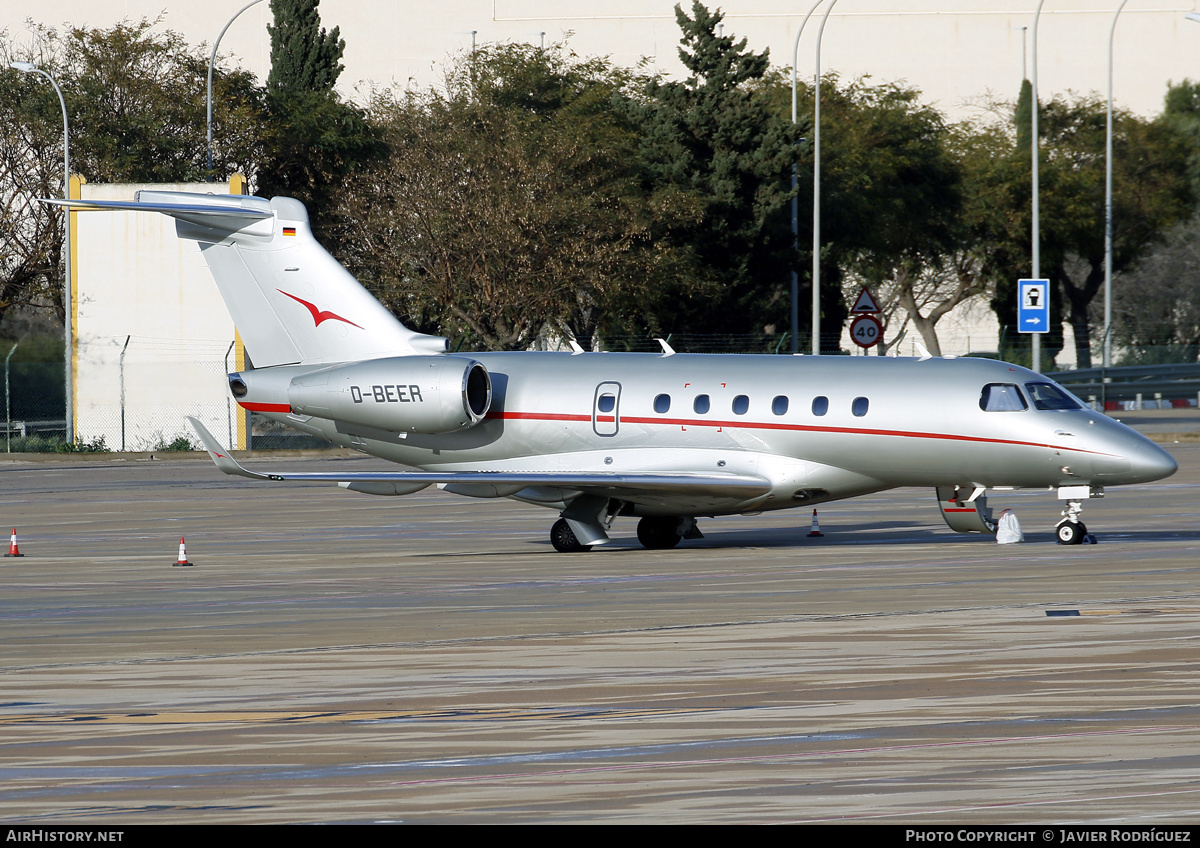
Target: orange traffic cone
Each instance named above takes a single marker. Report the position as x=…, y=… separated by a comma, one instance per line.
x=183, y=560
x=12, y=546
x=816, y=527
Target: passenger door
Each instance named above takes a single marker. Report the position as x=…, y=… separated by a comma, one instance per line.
x=606, y=412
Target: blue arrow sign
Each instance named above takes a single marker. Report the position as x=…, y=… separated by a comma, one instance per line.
x=1033, y=306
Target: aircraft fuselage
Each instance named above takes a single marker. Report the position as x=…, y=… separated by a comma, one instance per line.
x=817, y=428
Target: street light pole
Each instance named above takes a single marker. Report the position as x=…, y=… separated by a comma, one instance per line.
x=816, y=248
x=1108, y=202
x=211, y=62
x=796, y=188
x=1034, y=143
x=1024, y=51
x=68, y=329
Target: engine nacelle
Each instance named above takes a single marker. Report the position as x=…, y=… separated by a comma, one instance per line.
x=416, y=394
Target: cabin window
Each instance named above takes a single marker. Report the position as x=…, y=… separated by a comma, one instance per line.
x=780, y=405
x=820, y=405
x=1001, y=397
x=1050, y=396
x=859, y=407
x=701, y=404
x=606, y=403
x=662, y=403
x=741, y=405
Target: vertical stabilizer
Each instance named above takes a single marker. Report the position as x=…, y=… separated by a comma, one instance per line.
x=291, y=301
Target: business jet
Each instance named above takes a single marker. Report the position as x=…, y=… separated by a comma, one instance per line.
x=663, y=437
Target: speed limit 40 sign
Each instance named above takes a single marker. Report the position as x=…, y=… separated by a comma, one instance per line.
x=866, y=330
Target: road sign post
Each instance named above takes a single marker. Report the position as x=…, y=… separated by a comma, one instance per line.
x=866, y=331
x=865, y=304
x=1033, y=306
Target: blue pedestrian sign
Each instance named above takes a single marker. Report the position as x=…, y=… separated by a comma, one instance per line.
x=1033, y=306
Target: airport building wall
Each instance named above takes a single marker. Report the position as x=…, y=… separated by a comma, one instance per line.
x=153, y=340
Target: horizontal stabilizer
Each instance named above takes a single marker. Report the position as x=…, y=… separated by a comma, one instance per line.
x=168, y=208
x=611, y=484
x=218, y=212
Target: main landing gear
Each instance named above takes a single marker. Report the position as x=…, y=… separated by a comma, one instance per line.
x=655, y=532
x=658, y=532
x=563, y=538
x=1070, y=530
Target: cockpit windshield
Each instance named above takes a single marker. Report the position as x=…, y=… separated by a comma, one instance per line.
x=1050, y=396
x=1001, y=397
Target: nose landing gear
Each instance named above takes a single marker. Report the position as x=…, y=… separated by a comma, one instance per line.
x=1070, y=530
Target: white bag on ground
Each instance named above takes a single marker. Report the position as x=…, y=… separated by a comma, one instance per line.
x=1008, y=531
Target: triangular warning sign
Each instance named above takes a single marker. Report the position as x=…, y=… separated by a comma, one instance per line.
x=865, y=302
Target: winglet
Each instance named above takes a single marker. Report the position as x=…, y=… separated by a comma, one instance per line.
x=221, y=457
x=666, y=348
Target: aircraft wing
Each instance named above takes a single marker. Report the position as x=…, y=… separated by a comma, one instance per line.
x=724, y=485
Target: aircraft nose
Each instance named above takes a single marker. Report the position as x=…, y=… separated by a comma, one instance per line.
x=1150, y=462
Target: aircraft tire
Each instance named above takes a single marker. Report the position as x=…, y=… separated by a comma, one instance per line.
x=656, y=532
x=563, y=538
x=1070, y=533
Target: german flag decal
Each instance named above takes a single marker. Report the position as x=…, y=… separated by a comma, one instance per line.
x=289, y=231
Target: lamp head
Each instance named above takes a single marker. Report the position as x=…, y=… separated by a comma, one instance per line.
x=24, y=67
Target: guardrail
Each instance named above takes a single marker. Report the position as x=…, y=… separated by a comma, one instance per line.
x=28, y=428
x=1138, y=383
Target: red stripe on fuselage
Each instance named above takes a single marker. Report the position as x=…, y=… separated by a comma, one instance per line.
x=796, y=428
x=536, y=416
x=265, y=407
x=744, y=425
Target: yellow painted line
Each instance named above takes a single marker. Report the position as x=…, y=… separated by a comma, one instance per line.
x=264, y=716
x=1071, y=613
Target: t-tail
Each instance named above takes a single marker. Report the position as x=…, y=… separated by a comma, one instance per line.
x=289, y=299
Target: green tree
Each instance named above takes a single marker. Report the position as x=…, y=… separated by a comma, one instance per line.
x=138, y=111
x=135, y=98
x=31, y=166
x=1150, y=194
x=716, y=137
x=304, y=57
x=316, y=141
x=996, y=158
x=1023, y=120
x=892, y=202
x=1156, y=304
x=1181, y=112
x=508, y=205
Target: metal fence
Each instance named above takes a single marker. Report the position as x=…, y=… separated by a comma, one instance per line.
x=131, y=394
x=34, y=403
x=141, y=402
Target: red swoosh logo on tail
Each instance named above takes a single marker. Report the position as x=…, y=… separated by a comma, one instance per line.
x=318, y=315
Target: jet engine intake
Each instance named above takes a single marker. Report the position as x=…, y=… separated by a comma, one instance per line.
x=415, y=394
